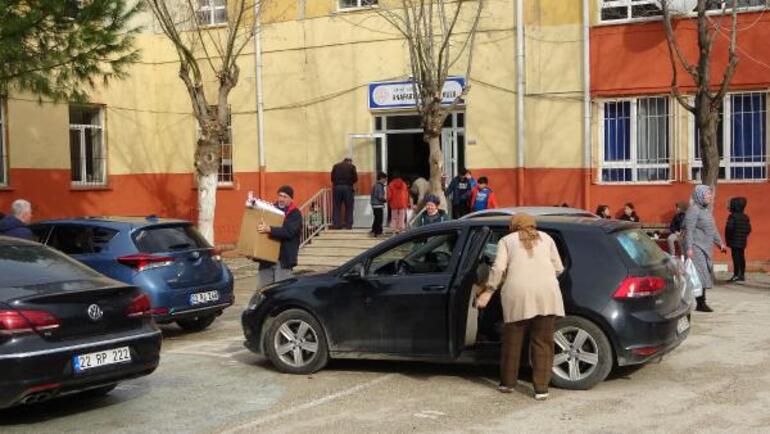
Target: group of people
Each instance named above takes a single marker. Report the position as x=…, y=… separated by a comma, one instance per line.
x=629, y=213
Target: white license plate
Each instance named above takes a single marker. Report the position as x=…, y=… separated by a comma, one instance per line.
x=204, y=297
x=682, y=325
x=98, y=359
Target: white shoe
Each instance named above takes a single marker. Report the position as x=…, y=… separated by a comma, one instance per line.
x=541, y=396
x=504, y=389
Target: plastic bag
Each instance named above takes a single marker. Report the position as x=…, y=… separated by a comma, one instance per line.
x=692, y=275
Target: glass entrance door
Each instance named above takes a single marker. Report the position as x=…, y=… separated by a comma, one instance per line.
x=370, y=157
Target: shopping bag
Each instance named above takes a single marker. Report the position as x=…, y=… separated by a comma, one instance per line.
x=692, y=275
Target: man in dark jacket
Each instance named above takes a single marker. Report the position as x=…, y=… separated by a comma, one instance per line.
x=344, y=176
x=737, y=232
x=460, y=189
x=675, y=228
x=289, y=236
x=15, y=224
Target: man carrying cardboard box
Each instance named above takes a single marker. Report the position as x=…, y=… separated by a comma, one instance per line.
x=288, y=234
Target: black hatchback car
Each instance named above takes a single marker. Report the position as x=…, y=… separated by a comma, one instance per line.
x=409, y=298
x=66, y=329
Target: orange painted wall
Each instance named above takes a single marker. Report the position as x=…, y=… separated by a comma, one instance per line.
x=633, y=59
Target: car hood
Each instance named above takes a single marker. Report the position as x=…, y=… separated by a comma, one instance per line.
x=305, y=279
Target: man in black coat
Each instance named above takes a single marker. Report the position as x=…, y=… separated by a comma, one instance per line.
x=344, y=176
x=289, y=236
x=15, y=224
x=737, y=232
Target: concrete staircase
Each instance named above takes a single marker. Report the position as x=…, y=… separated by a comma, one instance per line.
x=332, y=248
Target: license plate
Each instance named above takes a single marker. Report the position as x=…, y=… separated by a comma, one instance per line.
x=204, y=297
x=682, y=325
x=98, y=359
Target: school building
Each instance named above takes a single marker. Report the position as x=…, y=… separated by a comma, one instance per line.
x=569, y=102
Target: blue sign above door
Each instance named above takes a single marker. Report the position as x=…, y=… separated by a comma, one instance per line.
x=400, y=94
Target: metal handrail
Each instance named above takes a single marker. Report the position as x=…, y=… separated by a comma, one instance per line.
x=316, y=215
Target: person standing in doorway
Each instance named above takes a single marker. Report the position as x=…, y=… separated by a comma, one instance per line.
x=15, y=224
x=527, y=267
x=737, y=232
x=289, y=236
x=378, y=201
x=398, y=201
x=482, y=197
x=460, y=189
x=344, y=177
x=700, y=235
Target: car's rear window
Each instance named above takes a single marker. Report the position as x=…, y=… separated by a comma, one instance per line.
x=159, y=239
x=34, y=265
x=640, y=247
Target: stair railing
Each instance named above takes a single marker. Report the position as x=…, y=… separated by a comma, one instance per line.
x=316, y=215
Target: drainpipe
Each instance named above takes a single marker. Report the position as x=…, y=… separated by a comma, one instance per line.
x=520, y=89
x=260, y=98
x=587, y=171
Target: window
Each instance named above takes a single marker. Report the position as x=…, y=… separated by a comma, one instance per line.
x=726, y=4
x=355, y=4
x=3, y=153
x=80, y=240
x=212, y=12
x=225, y=175
x=741, y=141
x=641, y=248
x=164, y=239
x=87, y=156
x=425, y=254
x=617, y=10
x=636, y=140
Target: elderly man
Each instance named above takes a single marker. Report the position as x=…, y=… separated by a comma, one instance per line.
x=15, y=224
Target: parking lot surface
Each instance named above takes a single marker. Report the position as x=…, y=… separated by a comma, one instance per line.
x=717, y=381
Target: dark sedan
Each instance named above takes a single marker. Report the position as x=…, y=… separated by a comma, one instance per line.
x=66, y=329
x=409, y=298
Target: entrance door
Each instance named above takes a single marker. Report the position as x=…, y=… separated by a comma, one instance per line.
x=369, y=154
x=449, y=148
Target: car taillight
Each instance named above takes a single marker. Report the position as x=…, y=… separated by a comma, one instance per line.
x=638, y=287
x=145, y=261
x=25, y=321
x=140, y=306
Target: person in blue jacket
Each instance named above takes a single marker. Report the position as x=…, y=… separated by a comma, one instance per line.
x=15, y=224
x=460, y=189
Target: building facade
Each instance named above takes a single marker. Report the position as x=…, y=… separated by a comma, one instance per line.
x=598, y=125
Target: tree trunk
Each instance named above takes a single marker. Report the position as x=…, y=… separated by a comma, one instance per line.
x=436, y=160
x=707, y=120
x=207, y=157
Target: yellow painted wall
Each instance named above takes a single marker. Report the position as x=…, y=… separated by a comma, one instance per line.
x=38, y=134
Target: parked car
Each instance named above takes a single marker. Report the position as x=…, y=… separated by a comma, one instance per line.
x=554, y=211
x=185, y=278
x=408, y=298
x=65, y=328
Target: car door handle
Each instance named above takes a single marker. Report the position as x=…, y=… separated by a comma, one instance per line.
x=433, y=288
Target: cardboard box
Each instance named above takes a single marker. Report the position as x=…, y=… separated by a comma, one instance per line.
x=253, y=244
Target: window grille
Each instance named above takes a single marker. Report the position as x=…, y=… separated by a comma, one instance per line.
x=88, y=159
x=211, y=12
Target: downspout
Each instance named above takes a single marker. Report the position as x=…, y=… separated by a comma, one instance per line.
x=260, y=98
x=520, y=89
x=587, y=170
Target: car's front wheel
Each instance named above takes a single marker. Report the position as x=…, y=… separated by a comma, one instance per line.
x=198, y=323
x=296, y=343
x=582, y=354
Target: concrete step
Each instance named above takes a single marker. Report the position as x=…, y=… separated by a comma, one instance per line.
x=343, y=244
x=322, y=261
x=331, y=251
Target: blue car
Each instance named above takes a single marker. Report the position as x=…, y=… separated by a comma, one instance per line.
x=184, y=276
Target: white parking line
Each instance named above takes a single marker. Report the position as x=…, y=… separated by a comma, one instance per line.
x=315, y=403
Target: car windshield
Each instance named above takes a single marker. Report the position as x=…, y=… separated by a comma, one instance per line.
x=640, y=247
x=33, y=265
x=159, y=239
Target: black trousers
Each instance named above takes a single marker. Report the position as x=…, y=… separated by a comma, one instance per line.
x=459, y=210
x=378, y=218
x=342, y=196
x=739, y=261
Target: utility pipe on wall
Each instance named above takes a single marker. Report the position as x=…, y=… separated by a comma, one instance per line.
x=520, y=89
x=260, y=97
x=587, y=171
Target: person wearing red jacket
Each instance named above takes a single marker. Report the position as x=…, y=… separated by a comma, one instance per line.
x=398, y=202
x=482, y=197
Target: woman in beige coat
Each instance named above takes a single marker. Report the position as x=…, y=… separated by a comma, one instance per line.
x=527, y=266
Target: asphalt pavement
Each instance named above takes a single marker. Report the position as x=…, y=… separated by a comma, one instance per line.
x=717, y=381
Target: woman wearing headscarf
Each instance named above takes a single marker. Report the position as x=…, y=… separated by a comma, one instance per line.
x=700, y=235
x=527, y=265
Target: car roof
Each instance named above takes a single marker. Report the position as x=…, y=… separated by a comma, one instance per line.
x=13, y=241
x=116, y=222
x=544, y=222
x=535, y=211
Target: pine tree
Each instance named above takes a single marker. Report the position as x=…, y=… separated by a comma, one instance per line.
x=59, y=49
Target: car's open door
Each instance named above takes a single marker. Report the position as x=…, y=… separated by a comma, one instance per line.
x=462, y=286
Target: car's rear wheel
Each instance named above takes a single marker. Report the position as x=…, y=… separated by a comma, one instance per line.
x=582, y=354
x=198, y=323
x=296, y=343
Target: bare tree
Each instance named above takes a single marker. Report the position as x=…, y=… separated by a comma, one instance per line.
x=199, y=46
x=708, y=99
x=440, y=35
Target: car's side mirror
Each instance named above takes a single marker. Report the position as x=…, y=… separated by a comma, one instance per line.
x=357, y=272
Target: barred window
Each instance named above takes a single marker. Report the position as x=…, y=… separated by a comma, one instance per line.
x=3, y=153
x=636, y=140
x=211, y=12
x=87, y=155
x=741, y=141
x=621, y=10
x=355, y=4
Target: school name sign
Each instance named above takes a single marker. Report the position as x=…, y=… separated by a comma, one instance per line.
x=400, y=94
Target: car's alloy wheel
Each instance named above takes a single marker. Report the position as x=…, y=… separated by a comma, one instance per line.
x=295, y=343
x=582, y=354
